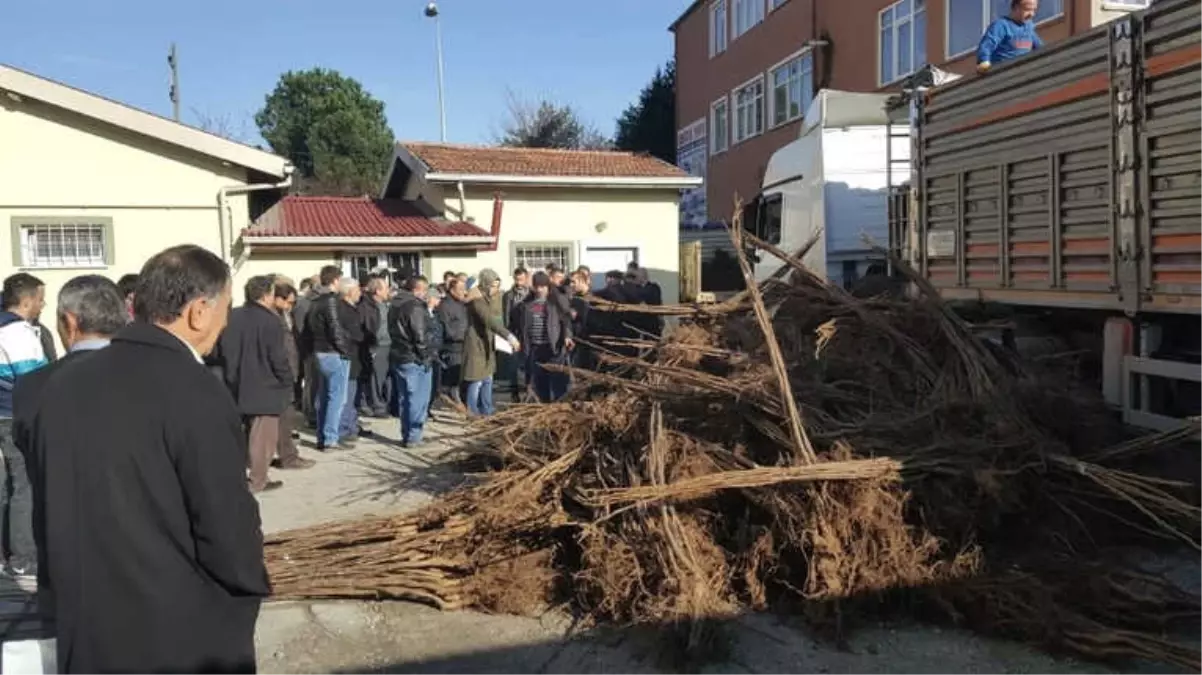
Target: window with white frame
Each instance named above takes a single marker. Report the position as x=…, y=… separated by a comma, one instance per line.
x=536, y=256
x=903, y=39
x=68, y=242
x=792, y=85
x=718, y=26
x=968, y=19
x=404, y=263
x=748, y=13
x=719, y=126
x=749, y=109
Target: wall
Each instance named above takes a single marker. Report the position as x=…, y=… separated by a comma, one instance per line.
x=56, y=163
x=850, y=63
x=643, y=218
x=294, y=265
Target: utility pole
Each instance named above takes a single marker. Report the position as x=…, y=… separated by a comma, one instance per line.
x=173, y=62
x=432, y=13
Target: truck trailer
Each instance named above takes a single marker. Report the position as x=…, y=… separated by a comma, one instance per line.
x=1066, y=186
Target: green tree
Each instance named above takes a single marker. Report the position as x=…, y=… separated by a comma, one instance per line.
x=334, y=132
x=549, y=125
x=650, y=124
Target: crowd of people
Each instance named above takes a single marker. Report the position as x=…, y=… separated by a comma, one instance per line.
x=130, y=462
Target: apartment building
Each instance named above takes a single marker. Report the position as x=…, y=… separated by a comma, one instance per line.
x=746, y=70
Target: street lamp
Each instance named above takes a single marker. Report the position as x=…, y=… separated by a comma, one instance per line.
x=432, y=12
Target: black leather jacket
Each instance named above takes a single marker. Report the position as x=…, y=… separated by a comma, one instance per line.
x=323, y=324
x=408, y=319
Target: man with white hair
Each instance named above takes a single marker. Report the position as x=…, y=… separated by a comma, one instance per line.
x=91, y=310
x=352, y=325
x=332, y=353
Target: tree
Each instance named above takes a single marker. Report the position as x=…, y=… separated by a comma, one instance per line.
x=332, y=130
x=650, y=124
x=223, y=125
x=549, y=125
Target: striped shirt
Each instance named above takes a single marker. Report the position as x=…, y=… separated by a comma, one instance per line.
x=538, y=323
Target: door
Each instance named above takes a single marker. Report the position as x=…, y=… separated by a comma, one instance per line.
x=602, y=259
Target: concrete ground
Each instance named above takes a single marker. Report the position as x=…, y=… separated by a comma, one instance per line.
x=380, y=477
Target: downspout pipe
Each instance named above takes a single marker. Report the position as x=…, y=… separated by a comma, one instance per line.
x=494, y=230
x=225, y=216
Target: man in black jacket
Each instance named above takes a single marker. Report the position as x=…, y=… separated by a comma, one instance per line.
x=509, y=366
x=452, y=314
x=331, y=351
x=255, y=365
x=372, y=393
x=410, y=358
x=351, y=320
x=545, y=333
x=90, y=311
x=153, y=541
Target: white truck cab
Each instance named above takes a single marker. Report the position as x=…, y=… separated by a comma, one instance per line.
x=833, y=177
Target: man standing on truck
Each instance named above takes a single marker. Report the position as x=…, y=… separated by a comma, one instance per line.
x=1010, y=36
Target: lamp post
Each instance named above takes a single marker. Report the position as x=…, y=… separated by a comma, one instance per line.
x=432, y=12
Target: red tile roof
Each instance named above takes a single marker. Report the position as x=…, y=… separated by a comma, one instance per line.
x=342, y=217
x=500, y=161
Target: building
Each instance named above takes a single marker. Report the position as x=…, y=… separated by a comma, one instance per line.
x=746, y=70
x=89, y=185
x=462, y=208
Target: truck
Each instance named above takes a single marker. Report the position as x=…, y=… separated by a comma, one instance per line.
x=832, y=182
x=1066, y=186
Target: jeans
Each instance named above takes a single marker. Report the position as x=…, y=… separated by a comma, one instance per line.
x=479, y=397
x=348, y=423
x=335, y=373
x=412, y=383
x=548, y=385
x=16, y=500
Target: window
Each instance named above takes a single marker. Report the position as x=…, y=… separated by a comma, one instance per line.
x=792, y=89
x=749, y=109
x=967, y=20
x=719, y=126
x=717, y=28
x=748, y=13
x=535, y=257
x=903, y=39
x=360, y=265
x=62, y=242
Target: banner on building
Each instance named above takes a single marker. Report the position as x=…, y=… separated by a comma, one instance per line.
x=692, y=154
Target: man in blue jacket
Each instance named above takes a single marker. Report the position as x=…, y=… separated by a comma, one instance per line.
x=1010, y=36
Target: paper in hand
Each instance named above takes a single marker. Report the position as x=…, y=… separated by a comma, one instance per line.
x=502, y=344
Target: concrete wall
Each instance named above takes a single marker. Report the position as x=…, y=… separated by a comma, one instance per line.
x=55, y=164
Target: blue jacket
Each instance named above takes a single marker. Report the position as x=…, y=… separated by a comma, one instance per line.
x=1007, y=39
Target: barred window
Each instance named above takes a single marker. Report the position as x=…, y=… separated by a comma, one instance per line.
x=536, y=257
x=70, y=243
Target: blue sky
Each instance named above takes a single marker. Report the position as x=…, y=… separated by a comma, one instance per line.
x=592, y=54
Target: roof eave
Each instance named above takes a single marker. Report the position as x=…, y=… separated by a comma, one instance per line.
x=96, y=107
x=645, y=182
x=340, y=240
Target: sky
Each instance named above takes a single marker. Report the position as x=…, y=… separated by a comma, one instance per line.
x=592, y=54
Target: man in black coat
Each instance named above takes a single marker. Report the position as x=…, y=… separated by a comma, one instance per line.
x=545, y=333
x=452, y=314
x=410, y=358
x=255, y=365
x=154, y=547
x=351, y=321
x=326, y=340
x=90, y=311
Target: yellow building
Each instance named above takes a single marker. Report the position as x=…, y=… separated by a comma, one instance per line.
x=92, y=186
x=462, y=208
x=89, y=185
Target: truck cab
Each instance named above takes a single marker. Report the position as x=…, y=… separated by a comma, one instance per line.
x=833, y=179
